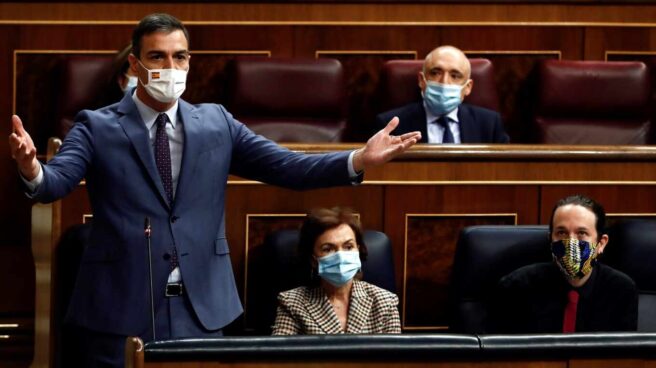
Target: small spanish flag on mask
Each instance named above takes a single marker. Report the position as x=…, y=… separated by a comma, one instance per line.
x=155, y=75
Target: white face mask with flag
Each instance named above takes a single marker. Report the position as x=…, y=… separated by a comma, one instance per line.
x=165, y=85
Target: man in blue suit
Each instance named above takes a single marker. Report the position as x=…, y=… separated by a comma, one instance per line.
x=442, y=117
x=155, y=156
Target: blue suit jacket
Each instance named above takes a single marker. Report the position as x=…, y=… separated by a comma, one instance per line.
x=111, y=149
x=477, y=124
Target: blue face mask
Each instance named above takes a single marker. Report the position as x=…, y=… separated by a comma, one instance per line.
x=442, y=98
x=340, y=267
x=132, y=82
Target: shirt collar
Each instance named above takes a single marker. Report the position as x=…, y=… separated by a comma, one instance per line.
x=431, y=118
x=149, y=115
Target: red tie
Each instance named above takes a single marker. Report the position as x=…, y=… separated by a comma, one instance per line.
x=569, y=322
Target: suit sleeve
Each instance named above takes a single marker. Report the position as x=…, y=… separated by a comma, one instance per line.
x=285, y=323
x=626, y=315
x=500, y=135
x=65, y=171
x=257, y=158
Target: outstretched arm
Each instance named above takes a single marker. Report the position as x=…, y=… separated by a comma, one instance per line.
x=383, y=146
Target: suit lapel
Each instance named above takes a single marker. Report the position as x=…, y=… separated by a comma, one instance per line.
x=322, y=312
x=359, y=308
x=468, y=129
x=136, y=131
x=418, y=119
x=192, y=147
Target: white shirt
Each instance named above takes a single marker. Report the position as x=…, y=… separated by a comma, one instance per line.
x=436, y=131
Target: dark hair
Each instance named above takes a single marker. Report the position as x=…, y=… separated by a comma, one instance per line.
x=120, y=64
x=319, y=221
x=588, y=203
x=158, y=22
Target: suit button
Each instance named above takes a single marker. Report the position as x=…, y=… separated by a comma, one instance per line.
x=166, y=256
x=174, y=219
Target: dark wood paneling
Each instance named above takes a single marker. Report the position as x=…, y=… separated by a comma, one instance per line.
x=520, y=11
x=599, y=40
x=430, y=247
x=402, y=201
x=279, y=40
x=635, y=200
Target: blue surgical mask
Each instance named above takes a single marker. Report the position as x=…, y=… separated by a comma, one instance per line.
x=442, y=98
x=574, y=257
x=340, y=267
x=132, y=82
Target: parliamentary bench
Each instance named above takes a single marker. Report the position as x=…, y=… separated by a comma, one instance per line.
x=405, y=350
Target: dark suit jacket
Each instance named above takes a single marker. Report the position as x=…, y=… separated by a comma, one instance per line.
x=477, y=124
x=110, y=147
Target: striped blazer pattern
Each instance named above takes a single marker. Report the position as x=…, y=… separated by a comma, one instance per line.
x=304, y=310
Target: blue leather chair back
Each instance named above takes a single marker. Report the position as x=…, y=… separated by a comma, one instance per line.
x=483, y=255
x=632, y=250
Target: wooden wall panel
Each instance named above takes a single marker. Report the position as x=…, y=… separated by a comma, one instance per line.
x=614, y=199
x=278, y=39
x=420, y=12
x=402, y=201
x=429, y=253
x=599, y=40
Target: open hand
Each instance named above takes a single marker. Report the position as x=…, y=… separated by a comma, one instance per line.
x=23, y=150
x=383, y=146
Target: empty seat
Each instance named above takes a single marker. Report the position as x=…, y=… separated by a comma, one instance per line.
x=632, y=250
x=592, y=102
x=483, y=255
x=399, y=84
x=289, y=100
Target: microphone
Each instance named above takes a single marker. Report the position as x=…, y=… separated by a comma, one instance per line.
x=147, y=233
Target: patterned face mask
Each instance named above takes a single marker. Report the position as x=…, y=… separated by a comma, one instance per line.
x=574, y=257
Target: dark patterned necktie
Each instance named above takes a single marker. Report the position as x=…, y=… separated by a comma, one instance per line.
x=163, y=155
x=444, y=123
x=163, y=162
